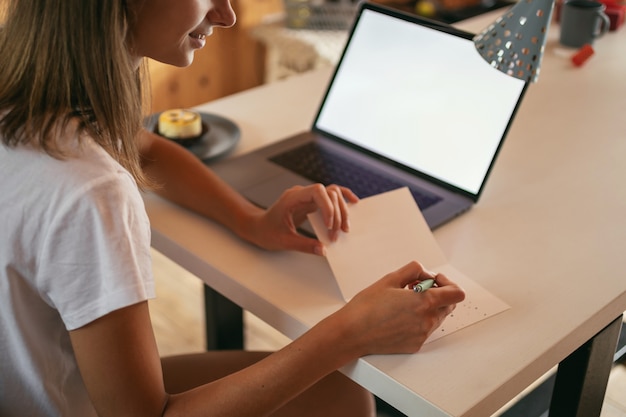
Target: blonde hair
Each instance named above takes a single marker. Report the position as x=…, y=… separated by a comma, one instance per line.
x=65, y=60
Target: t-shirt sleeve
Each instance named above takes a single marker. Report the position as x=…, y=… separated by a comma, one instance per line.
x=96, y=257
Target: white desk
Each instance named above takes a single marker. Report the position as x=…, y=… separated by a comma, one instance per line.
x=548, y=237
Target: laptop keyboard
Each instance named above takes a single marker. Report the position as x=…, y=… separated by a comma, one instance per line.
x=317, y=164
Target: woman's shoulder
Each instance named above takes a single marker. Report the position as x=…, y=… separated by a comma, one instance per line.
x=83, y=162
x=86, y=181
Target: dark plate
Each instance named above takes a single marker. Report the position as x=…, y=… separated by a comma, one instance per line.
x=219, y=137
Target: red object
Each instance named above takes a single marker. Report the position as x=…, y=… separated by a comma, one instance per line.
x=582, y=55
x=616, y=13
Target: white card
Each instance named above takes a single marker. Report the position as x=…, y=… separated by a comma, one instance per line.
x=388, y=231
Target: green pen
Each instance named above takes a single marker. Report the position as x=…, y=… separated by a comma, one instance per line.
x=423, y=285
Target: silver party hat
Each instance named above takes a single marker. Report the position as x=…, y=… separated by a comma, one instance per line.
x=515, y=42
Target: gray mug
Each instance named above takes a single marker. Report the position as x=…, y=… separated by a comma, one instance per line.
x=582, y=21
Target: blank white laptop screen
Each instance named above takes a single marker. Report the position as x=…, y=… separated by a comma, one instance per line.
x=421, y=97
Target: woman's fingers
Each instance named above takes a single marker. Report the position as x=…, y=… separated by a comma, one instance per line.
x=332, y=201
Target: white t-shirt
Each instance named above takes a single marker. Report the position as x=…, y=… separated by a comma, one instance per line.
x=74, y=246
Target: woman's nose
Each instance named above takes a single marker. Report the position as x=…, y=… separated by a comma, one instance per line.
x=222, y=14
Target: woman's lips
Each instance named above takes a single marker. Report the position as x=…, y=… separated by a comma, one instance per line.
x=196, y=35
x=198, y=39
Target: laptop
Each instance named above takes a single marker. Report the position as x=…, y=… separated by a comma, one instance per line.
x=411, y=103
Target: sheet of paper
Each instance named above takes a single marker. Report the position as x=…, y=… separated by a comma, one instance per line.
x=386, y=232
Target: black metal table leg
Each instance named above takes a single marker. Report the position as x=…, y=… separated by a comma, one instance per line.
x=224, y=321
x=582, y=377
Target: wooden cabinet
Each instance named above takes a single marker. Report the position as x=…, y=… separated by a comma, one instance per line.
x=231, y=61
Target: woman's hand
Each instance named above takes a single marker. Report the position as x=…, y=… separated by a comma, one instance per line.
x=389, y=317
x=276, y=228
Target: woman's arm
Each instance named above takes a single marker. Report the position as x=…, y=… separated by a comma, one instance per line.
x=186, y=181
x=119, y=362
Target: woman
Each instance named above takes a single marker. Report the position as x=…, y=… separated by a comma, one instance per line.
x=75, y=270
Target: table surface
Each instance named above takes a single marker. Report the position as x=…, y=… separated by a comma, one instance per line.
x=547, y=236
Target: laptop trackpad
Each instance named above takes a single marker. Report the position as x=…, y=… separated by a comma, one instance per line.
x=267, y=192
